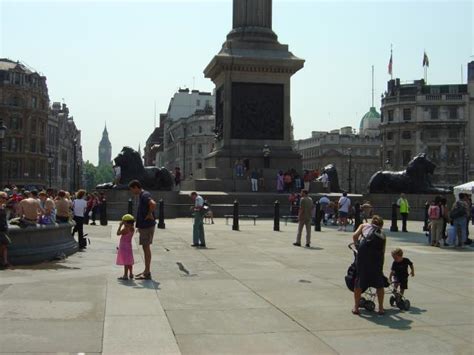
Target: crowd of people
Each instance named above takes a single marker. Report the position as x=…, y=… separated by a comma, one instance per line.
x=47, y=207
x=449, y=226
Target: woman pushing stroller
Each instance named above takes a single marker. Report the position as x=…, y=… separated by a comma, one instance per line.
x=370, y=241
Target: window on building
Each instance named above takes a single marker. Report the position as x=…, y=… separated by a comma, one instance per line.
x=389, y=157
x=34, y=102
x=406, y=157
x=434, y=154
x=15, y=122
x=12, y=144
x=434, y=90
x=17, y=78
x=407, y=114
x=33, y=145
x=453, y=156
x=390, y=115
x=434, y=113
x=406, y=135
x=33, y=168
x=453, y=89
x=434, y=133
x=33, y=125
x=200, y=129
x=199, y=148
x=389, y=136
x=453, y=133
x=453, y=112
x=199, y=166
x=198, y=103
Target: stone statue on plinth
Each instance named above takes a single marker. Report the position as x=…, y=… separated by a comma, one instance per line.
x=252, y=74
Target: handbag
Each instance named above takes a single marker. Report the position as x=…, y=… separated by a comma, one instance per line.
x=451, y=232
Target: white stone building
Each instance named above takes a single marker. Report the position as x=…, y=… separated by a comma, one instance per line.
x=185, y=103
x=188, y=131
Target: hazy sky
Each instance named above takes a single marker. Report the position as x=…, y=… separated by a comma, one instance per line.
x=111, y=60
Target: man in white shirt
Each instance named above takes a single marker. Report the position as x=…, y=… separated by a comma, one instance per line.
x=198, y=227
x=79, y=206
x=344, y=208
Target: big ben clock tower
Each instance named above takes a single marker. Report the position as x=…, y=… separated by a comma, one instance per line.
x=105, y=148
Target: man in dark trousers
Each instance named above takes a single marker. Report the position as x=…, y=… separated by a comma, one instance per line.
x=145, y=223
x=404, y=206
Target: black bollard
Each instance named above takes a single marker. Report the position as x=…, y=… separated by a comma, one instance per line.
x=235, y=224
x=130, y=206
x=357, y=217
x=103, y=212
x=161, y=217
x=276, y=220
x=394, y=227
x=317, y=217
x=425, y=224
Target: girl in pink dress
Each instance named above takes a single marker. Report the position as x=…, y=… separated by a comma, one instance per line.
x=125, y=252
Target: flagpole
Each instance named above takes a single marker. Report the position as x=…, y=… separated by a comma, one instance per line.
x=391, y=57
x=373, y=86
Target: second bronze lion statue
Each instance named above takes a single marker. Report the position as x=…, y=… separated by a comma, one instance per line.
x=415, y=179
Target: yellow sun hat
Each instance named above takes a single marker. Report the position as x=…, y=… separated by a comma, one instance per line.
x=128, y=218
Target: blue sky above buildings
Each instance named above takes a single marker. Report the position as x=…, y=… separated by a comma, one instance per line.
x=111, y=60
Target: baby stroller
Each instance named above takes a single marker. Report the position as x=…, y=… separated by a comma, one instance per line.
x=369, y=295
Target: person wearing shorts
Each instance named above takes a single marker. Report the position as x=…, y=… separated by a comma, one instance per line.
x=145, y=223
x=344, y=207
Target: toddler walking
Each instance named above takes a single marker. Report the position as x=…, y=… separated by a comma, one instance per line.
x=399, y=271
x=125, y=252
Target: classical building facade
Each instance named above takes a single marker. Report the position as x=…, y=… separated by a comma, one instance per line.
x=356, y=155
x=188, y=141
x=187, y=133
x=105, y=148
x=35, y=136
x=431, y=119
x=64, y=143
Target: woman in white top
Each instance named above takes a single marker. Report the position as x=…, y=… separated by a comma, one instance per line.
x=79, y=207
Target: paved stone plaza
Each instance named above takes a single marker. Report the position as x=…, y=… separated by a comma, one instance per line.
x=251, y=292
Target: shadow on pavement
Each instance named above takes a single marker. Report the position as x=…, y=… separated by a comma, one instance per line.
x=392, y=319
x=42, y=266
x=148, y=284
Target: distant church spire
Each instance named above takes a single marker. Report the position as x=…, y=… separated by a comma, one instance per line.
x=105, y=148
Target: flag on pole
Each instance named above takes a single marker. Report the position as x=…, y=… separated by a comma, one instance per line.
x=390, y=64
x=426, y=61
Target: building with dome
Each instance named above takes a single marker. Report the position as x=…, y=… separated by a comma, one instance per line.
x=356, y=155
x=370, y=124
x=105, y=148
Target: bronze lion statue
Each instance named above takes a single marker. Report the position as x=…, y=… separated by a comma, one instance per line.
x=131, y=168
x=415, y=179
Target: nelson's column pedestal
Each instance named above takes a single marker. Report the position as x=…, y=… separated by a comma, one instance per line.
x=252, y=75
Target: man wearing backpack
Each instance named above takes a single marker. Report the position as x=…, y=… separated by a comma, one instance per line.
x=404, y=210
x=435, y=214
x=458, y=216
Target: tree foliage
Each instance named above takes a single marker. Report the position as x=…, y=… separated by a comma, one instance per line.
x=95, y=175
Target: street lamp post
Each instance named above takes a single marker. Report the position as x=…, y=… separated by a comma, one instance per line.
x=350, y=170
x=74, y=164
x=50, y=162
x=3, y=131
